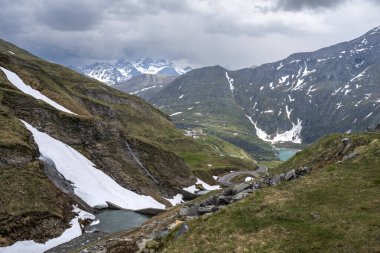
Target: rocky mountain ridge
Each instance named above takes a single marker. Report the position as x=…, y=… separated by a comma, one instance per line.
x=294, y=100
x=124, y=69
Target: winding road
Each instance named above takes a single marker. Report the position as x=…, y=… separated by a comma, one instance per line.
x=225, y=180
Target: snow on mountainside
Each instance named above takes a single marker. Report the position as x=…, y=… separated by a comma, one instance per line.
x=297, y=99
x=16, y=81
x=334, y=89
x=124, y=70
x=90, y=184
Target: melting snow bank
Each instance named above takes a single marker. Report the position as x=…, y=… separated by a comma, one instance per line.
x=69, y=234
x=16, y=81
x=208, y=187
x=177, y=199
x=90, y=184
x=292, y=135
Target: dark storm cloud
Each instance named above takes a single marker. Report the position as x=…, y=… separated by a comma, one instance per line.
x=70, y=15
x=297, y=5
x=199, y=32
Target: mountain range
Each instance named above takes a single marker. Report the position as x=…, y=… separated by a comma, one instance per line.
x=124, y=69
x=295, y=100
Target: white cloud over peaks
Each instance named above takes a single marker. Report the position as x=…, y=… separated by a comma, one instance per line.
x=238, y=33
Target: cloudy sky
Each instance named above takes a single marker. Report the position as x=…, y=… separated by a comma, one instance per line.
x=234, y=33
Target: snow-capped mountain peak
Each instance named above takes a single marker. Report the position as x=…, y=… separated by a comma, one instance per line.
x=124, y=69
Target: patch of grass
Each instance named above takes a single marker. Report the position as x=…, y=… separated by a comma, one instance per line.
x=334, y=209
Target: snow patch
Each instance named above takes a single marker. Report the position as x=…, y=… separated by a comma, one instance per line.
x=177, y=199
x=368, y=115
x=208, y=187
x=144, y=89
x=174, y=114
x=90, y=184
x=69, y=234
x=292, y=135
x=288, y=112
x=231, y=82
x=339, y=105
x=248, y=179
x=16, y=81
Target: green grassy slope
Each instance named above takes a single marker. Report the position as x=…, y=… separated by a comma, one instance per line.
x=334, y=209
x=106, y=120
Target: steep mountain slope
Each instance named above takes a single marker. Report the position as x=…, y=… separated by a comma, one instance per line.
x=124, y=69
x=333, y=209
x=295, y=100
x=203, y=98
x=144, y=85
x=128, y=140
x=334, y=89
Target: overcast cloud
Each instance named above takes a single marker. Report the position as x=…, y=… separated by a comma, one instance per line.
x=234, y=33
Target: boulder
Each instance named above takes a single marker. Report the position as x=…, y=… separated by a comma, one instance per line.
x=350, y=156
x=223, y=200
x=240, y=187
x=346, y=148
x=207, y=209
x=189, y=211
x=228, y=192
x=240, y=196
x=248, y=190
x=182, y=230
x=209, y=201
x=290, y=175
x=257, y=185
x=277, y=179
x=345, y=141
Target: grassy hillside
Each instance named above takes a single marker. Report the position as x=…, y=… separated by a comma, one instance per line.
x=202, y=99
x=334, y=209
x=107, y=121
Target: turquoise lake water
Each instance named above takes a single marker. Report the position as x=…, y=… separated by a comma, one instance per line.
x=112, y=221
x=285, y=154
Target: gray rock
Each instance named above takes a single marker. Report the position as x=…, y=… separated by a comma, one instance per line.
x=277, y=179
x=348, y=146
x=290, y=175
x=182, y=230
x=189, y=211
x=346, y=141
x=262, y=169
x=207, y=209
x=240, y=196
x=248, y=190
x=240, y=187
x=209, y=201
x=228, y=192
x=303, y=171
x=257, y=185
x=350, y=156
x=222, y=200
x=162, y=234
